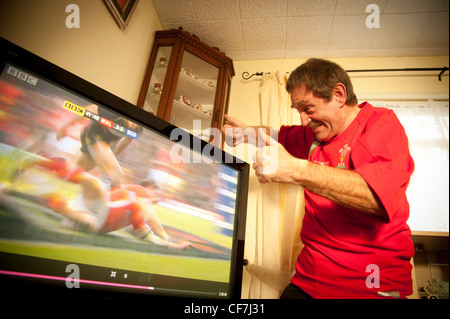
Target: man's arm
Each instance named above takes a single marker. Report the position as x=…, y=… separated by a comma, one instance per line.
x=344, y=187
x=237, y=132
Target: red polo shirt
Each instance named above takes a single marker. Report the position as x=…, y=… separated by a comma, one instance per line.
x=350, y=254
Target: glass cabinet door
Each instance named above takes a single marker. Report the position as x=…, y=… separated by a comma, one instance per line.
x=157, y=79
x=195, y=95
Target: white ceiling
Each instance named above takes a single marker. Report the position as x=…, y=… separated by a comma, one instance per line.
x=285, y=29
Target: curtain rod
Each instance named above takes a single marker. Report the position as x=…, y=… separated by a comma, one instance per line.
x=247, y=76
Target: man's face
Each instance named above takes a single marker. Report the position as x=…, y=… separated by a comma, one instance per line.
x=320, y=115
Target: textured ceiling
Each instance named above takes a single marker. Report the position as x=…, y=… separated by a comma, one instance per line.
x=285, y=29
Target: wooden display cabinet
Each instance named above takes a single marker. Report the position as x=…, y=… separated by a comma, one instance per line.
x=187, y=83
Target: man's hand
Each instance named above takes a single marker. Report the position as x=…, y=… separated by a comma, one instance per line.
x=233, y=130
x=272, y=163
x=237, y=132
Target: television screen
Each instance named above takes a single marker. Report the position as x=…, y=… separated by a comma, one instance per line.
x=98, y=195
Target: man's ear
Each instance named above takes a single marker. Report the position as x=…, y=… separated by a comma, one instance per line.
x=340, y=94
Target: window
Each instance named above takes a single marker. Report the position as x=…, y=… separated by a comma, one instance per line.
x=426, y=125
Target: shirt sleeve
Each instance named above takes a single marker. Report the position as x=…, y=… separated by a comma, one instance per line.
x=381, y=156
x=296, y=140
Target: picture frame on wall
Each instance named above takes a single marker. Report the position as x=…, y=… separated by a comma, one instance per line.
x=122, y=11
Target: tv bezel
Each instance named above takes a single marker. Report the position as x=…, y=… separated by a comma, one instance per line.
x=14, y=54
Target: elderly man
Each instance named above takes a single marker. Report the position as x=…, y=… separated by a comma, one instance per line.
x=354, y=164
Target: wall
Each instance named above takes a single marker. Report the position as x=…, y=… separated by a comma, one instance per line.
x=244, y=101
x=98, y=51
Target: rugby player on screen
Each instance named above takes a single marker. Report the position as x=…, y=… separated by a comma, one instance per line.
x=100, y=145
x=98, y=211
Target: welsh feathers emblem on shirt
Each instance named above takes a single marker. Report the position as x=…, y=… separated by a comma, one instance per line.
x=343, y=152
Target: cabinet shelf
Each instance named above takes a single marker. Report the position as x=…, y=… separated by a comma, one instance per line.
x=195, y=90
x=190, y=82
x=179, y=107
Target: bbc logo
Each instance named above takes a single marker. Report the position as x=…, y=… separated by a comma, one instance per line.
x=22, y=75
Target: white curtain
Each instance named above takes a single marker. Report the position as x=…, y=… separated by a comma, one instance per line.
x=426, y=125
x=280, y=207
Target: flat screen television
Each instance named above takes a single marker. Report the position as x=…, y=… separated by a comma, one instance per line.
x=100, y=198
